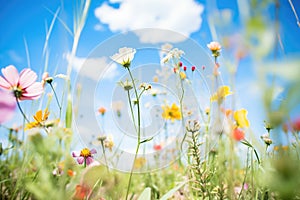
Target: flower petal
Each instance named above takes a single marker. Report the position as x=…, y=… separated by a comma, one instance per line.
x=89, y=160
x=11, y=75
x=34, y=91
x=4, y=84
x=7, y=106
x=80, y=160
x=75, y=154
x=93, y=151
x=27, y=78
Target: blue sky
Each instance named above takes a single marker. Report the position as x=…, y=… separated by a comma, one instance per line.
x=23, y=25
x=27, y=20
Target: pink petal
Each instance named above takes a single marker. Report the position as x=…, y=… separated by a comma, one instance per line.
x=11, y=75
x=4, y=84
x=7, y=106
x=93, y=151
x=34, y=91
x=75, y=154
x=89, y=160
x=27, y=78
x=80, y=160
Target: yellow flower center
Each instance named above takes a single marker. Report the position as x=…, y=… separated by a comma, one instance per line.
x=85, y=153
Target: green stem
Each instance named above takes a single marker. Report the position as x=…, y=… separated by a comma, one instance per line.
x=138, y=130
x=131, y=109
x=181, y=111
x=131, y=171
x=55, y=95
x=138, y=104
x=105, y=160
x=244, y=181
x=19, y=106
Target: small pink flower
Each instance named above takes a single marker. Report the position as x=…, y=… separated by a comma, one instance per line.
x=214, y=46
x=7, y=106
x=84, y=156
x=44, y=78
x=23, y=85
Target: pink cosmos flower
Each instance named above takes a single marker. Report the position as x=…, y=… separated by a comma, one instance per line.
x=7, y=106
x=23, y=85
x=84, y=156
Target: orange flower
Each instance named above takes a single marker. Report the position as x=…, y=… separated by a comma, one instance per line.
x=39, y=119
x=227, y=112
x=81, y=192
x=102, y=110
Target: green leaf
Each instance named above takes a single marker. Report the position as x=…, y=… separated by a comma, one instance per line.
x=146, y=140
x=256, y=156
x=69, y=114
x=172, y=191
x=245, y=142
x=146, y=194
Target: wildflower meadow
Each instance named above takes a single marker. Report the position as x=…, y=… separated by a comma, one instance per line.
x=152, y=111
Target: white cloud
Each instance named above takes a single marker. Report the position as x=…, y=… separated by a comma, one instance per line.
x=98, y=27
x=182, y=16
x=94, y=68
x=15, y=56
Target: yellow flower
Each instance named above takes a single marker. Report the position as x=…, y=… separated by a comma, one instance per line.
x=139, y=163
x=222, y=92
x=281, y=148
x=240, y=117
x=171, y=113
x=182, y=75
x=39, y=119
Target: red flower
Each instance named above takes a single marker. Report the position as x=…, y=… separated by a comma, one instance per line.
x=238, y=134
x=193, y=68
x=296, y=125
x=180, y=64
x=184, y=68
x=157, y=147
